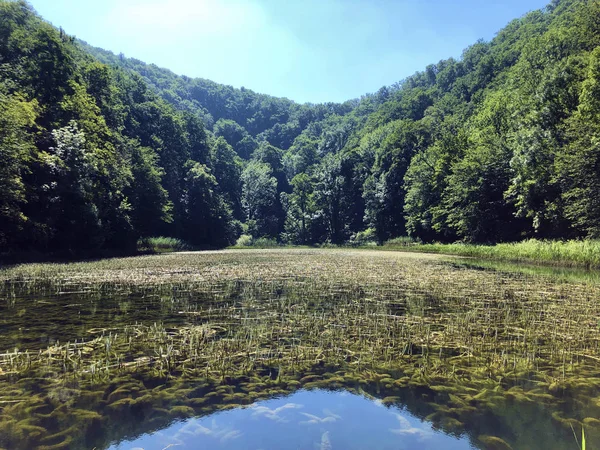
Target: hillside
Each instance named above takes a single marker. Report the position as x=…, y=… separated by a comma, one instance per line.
x=101, y=150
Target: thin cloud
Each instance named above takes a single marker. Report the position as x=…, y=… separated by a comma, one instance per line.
x=202, y=17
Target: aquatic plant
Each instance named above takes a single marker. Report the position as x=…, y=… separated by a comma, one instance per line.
x=277, y=320
x=576, y=253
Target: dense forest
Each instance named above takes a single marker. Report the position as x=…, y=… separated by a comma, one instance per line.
x=98, y=151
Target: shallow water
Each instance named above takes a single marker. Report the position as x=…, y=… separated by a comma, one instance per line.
x=315, y=419
x=380, y=352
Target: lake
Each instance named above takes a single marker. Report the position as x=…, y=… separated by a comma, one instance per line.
x=298, y=349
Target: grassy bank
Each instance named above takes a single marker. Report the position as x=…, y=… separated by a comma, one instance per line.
x=574, y=253
x=560, y=253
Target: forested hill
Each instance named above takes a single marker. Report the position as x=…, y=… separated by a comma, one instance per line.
x=99, y=150
x=262, y=117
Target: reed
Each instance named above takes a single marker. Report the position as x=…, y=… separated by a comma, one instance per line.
x=575, y=253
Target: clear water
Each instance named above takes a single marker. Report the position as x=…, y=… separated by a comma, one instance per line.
x=349, y=409
x=317, y=419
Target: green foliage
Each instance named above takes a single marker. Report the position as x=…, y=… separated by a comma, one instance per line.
x=264, y=243
x=259, y=199
x=363, y=238
x=150, y=205
x=227, y=168
x=101, y=150
x=300, y=206
x=207, y=219
x=402, y=241
x=577, y=253
x=17, y=115
x=245, y=240
x=161, y=244
x=578, y=165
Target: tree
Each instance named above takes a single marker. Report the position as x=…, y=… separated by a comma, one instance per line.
x=474, y=196
x=329, y=197
x=17, y=116
x=260, y=200
x=384, y=189
x=150, y=205
x=227, y=168
x=425, y=181
x=207, y=219
x=579, y=166
x=76, y=225
x=300, y=209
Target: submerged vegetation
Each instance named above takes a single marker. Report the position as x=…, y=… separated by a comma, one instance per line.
x=235, y=326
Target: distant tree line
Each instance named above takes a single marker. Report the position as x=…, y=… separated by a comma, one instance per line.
x=99, y=150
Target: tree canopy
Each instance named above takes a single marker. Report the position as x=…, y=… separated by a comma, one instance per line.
x=98, y=150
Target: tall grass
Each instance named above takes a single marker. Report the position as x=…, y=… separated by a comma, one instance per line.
x=162, y=244
x=576, y=253
x=247, y=241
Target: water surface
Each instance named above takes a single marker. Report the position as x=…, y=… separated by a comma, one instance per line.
x=298, y=349
x=305, y=420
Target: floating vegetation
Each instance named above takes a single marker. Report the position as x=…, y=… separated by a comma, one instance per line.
x=172, y=336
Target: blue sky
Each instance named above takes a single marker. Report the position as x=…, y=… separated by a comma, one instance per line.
x=306, y=50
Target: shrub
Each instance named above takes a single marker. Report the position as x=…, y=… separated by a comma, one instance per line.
x=367, y=237
x=402, y=241
x=162, y=244
x=245, y=240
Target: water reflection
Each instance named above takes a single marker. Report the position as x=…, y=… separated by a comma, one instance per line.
x=314, y=419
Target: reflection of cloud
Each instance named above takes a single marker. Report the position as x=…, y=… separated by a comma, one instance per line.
x=325, y=442
x=330, y=414
x=194, y=428
x=407, y=429
x=233, y=434
x=273, y=414
x=329, y=417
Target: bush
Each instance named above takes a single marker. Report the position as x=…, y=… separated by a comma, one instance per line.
x=265, y=243
x=162, y=244
x=402, y=241
x=363, y=238
x=245, y=240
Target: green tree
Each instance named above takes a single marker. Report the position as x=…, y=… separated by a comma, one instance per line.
x=207, y=220
x=260, y=200
x=579, y=166
x=17, y=116
x=150, y=205
x=300, y=209
x=329, y=198
x=227, y=167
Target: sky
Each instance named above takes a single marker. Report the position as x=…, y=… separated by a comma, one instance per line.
x=306, y=50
